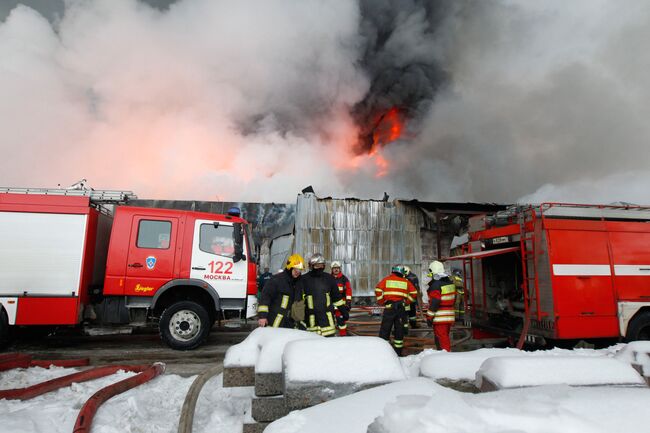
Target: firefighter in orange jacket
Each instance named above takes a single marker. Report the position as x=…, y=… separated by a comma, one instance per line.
x=442, y=296
x=345, y=289
x=395, y=292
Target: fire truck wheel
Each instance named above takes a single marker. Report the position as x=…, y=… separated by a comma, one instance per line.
x=184, y=325
x=4, y=328
x=639, y=327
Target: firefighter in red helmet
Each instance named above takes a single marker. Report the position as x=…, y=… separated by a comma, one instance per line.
x=395, y=292
x=345, y=289
x=442, y=296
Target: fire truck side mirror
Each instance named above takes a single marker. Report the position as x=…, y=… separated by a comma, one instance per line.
x=238, y=241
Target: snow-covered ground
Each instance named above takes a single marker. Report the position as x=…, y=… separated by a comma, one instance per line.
x=150, y=408
x=416, y=404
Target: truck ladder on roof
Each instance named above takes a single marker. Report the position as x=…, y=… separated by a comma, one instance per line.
x=528, y=218
x=98, y=197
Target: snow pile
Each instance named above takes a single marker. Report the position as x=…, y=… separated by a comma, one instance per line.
x=270, y=356
x=364, y=360
x=636, y=352
x=352, y=413
x=549, y=409
x=514, y=372
x=247, y=353
x=153, y=407
x=24, y=377
x=464, y=365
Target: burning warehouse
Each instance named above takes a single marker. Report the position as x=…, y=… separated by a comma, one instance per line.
x=370, y=236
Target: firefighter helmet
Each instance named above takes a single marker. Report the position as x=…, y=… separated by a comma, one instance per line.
x=336, y=264
x=295, y=261
x=407, y=270
x=316, y=259
x=436, y=267
x=398, y=269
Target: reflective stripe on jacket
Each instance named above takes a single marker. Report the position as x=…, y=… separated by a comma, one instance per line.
x=394, y=288
x=442, y=295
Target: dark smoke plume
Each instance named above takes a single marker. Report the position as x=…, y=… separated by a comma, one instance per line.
x=404, y=70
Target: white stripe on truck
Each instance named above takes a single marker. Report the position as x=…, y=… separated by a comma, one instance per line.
x=579, y=270
x=601, y=270
x=622, y=270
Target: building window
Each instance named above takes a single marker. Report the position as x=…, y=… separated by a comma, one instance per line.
x=154, y=234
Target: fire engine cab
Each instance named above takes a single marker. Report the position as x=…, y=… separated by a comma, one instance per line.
x=69, y=257
x=558, y=273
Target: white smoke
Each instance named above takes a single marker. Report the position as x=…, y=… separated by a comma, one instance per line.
x=251, y=100
x=229, y=100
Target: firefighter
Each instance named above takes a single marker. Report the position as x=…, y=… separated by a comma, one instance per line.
x=262, y=280
x=459, y=306
x=345, y=290
x=394, y=292
x=411, y=309
x=442, y=295
x=322, y=298
x=279, y=294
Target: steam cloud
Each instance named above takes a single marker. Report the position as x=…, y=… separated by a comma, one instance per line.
x=253, y=100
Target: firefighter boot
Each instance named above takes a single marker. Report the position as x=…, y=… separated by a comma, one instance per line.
x=398, y=345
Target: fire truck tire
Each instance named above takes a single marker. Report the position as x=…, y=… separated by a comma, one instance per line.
x=639, y=327
x=184, y=325
x=4, y=329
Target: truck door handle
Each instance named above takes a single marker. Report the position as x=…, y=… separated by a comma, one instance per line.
x=135, y=265
x=198, y=268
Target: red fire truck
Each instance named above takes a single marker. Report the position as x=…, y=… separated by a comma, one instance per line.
x=558, y=273
x=69, y=257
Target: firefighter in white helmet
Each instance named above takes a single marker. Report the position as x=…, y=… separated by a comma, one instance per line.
x=345, y=289
x=442, y=295
x=322, y=298
x=279, y=294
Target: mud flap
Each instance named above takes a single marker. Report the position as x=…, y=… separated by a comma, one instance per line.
x=251, y=306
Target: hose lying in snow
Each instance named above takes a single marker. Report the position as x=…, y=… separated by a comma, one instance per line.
x=187, y=413
x=14, y=360
x=60, y=382
x=87, y=412
x=20, y=360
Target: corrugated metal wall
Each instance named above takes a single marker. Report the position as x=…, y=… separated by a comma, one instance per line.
x=367, y=236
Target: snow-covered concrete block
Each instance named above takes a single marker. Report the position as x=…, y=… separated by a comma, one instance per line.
x=267, y=384
x=355, y=412
x=637, y=354
x=518, y=372
x=320, y=370
x=266, y=409
x=263, y=346
x=238, y=376
x=254, y=427
x=459, y=366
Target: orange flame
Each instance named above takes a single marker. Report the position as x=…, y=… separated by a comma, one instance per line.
x=389, y=128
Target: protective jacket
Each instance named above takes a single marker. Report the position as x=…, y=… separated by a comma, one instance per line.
x=394, y=289
x=321, y=297
x=345, y=289
x=442, y=295
x=277, y=297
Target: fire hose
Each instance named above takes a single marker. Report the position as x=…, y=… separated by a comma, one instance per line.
x=10, y=361
x=87, y=412
x=187, y=412
x=59, y=382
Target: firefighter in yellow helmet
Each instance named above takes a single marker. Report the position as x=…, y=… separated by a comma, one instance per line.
x=279, y=294
x=442, y=295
